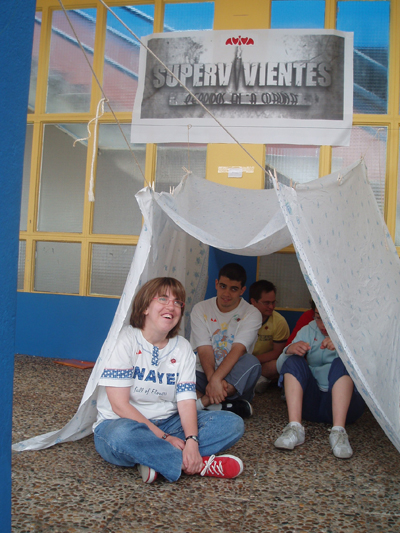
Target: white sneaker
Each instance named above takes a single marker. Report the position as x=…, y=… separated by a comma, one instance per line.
x=262, y=384
x=339, y=441
x=148, y=474
x=292, y=436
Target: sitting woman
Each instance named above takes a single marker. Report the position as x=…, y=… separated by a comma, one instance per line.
x=147, y=397
x=318, y=389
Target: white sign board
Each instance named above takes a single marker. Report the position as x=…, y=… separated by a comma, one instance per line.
x=263, y=86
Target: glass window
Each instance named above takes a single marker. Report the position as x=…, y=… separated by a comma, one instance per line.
x=21, y=265
x=370, y=23
x=189, y=16
x=284, y=272
x=70, y=77
x=110, y=267
x=173, y=158
x=57, y=267
x=369, y=143
x=34, y=62
x=121, y=57
x=118, y=179
x=62, y=181
x=297, y=163
x=25, y=178
x=297, y=14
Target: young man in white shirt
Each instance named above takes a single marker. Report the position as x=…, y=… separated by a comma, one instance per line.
x=223, y=335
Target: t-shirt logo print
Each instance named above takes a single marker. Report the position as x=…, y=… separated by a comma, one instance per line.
x=155, y=356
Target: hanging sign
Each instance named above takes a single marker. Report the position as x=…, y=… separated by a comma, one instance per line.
x=261, y=86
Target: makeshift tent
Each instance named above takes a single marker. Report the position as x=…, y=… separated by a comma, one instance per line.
x=344, y=248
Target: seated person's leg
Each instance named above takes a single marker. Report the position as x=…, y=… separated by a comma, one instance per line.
x=240, y=381
x=243, y=378
x=302, y=398
x=269, y=370
x=125, y=442
x=218, y=431
x=347, y=403
x=347, y=407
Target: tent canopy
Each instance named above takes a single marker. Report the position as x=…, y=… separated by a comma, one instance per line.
x=344, y=249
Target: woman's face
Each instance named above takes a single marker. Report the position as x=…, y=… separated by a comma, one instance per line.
x=320, y=324
x=162, y=316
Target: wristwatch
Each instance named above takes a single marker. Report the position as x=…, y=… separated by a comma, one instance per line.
x=194, y=437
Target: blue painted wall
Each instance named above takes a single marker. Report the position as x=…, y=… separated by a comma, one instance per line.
x=16, y=34
x=65, y=327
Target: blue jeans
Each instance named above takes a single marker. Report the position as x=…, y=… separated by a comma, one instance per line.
x=125, y=442
x=317, y=404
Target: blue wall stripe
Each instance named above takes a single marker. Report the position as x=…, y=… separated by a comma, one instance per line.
x=60, y=326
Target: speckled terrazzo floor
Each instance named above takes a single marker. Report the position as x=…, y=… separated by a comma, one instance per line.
x=69, y=488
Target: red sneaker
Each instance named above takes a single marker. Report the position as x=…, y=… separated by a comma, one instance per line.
x=223, y=466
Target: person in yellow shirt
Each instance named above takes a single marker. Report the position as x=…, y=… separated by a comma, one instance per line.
x=272, y=335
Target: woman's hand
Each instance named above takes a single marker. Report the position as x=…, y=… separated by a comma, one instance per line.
x=298, y=348
x=192, y=461
x=176, y=443
x=328, y=344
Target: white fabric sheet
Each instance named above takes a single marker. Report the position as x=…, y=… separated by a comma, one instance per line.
x=345, y=251
x=352, y=269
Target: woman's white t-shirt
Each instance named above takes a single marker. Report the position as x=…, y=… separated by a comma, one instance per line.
x=158, y=378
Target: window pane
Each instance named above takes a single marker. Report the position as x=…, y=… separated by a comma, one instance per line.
x=190, y=16
x=70, y=77
x=370, y=23
x=368, y=143
x=297, y=14
x=171, y=158
x=121, y=58
x=25, y=178
x=57, y=267
x=284, y=272
x=34, y=62
x=118, y=179
x=297, y=163
x=21, y=265
x=110, y=267
x=62, y=181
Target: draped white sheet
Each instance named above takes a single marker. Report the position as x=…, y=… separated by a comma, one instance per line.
x=352, y=269
x=345, y=251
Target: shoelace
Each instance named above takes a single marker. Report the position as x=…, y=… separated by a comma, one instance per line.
x=340, y=439
x=213, y=466
x=288, y=432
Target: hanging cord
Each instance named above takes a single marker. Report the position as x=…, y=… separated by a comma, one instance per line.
x=182, y=85
x=102, y=91
x=95, y=120
x=188, y=128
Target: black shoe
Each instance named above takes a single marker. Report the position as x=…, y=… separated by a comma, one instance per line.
x=242, y=408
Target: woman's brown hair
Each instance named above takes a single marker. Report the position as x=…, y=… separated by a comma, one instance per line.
x=151, y=289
